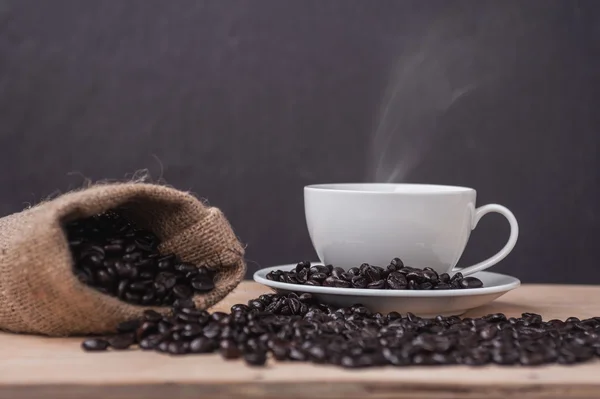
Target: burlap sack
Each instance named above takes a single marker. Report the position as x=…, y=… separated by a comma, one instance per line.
x=39, y=292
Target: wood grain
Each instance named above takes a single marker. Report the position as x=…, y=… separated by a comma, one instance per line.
x=32, y=366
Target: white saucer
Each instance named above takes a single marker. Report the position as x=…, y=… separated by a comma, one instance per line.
x=421, y=303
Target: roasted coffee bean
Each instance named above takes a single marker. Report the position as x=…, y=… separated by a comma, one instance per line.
x=213, y=329
x=201, y=284
x=337, y=272
x=151, y=342
x=177, y=348
x=347, y=276
x=94, y=345
x=339, y=283
x=457, y=277
x=145, y=329
x=396, y=276
x=133, y=298
x=302, y=275
x=444, y=278
x=129, y=326
x=104, y=278
x=329, y=281
x=140, y=286
x=116, y=258
x=376, y=285
x=202, y=345
x=168, y=280
x=418, y=276
x=372, y=274
x=185, y=267
x=256, y=358
x=152, y=316
x=229, y=349
x=182, y=291
x=471, y=282
x=396, y=281
x=430, y=275
x=121, y=341
x=163, y=346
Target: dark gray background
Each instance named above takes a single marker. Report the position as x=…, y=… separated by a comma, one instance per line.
x=245, y=102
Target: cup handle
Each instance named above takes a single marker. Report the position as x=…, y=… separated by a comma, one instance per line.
x=512, y=239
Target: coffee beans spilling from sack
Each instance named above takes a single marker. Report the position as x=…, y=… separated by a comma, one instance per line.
x=114, y=256
x=298, y=328
x=64, y=275
x=395, y=276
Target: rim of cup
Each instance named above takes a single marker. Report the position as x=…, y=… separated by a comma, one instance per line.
x=389, y=188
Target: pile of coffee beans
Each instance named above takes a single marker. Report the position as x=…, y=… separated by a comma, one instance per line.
x=395, y=276
x=298, y=328
x=115, y=257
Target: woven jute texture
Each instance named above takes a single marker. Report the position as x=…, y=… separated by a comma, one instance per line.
x=39, y=292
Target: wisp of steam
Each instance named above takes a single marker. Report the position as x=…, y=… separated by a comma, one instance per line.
x=425, y=82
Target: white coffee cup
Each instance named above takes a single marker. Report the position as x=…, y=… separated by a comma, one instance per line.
x=422, y=224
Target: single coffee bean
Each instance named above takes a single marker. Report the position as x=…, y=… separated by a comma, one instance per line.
x=488, y=332
x=104, y=278
x=177, y=348
x=121, y=341
x=339, y=283
x=140, y=286
x=163, y=346
x=152, y=316
x=151, y=342
x=256, y=304
x=255, y=358
x=376, y=285
x=202, y=285
x=471, y=282
x=396, y=281
x=147, y=328
x=360, y=281
x=329, y=281
x=133, y=298
x=229, y=349
x=182, y=291
x=148, y=298
x=95, y=345
x=183, y=303
x=129, y=326
x=185, y=267
x=444, y=278
x=212, y=330
x=202, y=345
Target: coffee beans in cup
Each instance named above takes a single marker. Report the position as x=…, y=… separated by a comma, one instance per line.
x=116, y=258
x=395, y=276
x=297, y=328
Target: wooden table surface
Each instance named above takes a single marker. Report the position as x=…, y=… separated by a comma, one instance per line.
x=32, y=366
